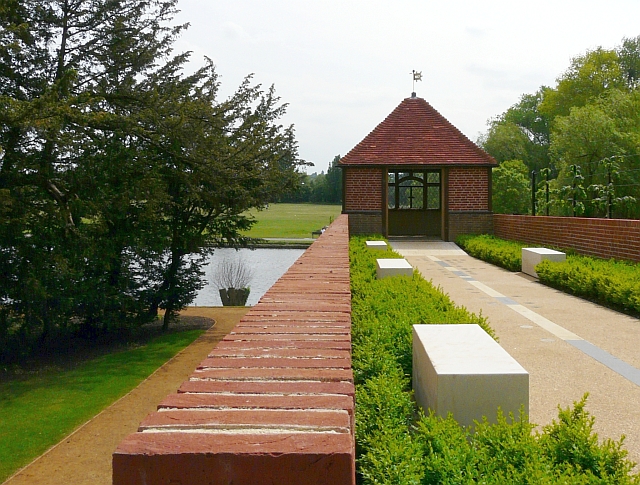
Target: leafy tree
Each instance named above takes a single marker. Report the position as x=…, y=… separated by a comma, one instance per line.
x=334, y=181
x=318, y=187
x=629, y=55
x=591, y=135
x=505, y=141
x=588, y=77
x=511, y=188
x=215, y=162
x=521, y=133
x=589, y=116
x=118, y=173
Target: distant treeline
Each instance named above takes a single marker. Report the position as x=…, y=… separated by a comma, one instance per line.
x=319, y=188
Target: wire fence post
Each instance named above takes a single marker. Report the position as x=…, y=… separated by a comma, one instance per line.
x=609, y=192
x=533, y=192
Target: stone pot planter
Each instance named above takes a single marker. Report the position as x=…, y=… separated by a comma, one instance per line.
x=233, y=296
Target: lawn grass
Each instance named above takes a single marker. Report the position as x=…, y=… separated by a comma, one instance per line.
x=292, y=221
x=38, y=411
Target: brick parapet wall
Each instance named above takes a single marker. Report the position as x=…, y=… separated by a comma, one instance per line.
x=476, y=222
x=274, y=400
x=363, y=189
x=603, y=238
x=365, y=222
x=468, y=189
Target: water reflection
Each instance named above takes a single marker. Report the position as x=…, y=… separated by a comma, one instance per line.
x=267, y=266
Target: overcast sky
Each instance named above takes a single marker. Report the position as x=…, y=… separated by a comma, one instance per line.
x=344, y=65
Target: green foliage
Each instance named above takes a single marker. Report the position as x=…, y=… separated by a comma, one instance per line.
x=591, y=115
x=615, y=284
x=319, y=188
x=119, y=172
x=570, y=442
x=511, y=188
x=521, y=133
x=506, y=254
x=396, y=443
x=37, y=411
x=591, y=137
x=588, y=77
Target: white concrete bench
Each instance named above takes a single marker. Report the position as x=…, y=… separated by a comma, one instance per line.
x=376, y=245
x=460, y=369
x=532, y=256
x=393, y=267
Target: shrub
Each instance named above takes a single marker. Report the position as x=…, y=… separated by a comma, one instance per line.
x=506, y=254
x=615, y=284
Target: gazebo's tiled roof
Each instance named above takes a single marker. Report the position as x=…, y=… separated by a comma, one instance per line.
x=416, y=134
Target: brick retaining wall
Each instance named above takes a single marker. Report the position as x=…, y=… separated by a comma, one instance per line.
x=274, y=400
x=603, y=238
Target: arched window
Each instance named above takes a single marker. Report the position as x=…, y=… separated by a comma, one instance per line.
x=414, y=190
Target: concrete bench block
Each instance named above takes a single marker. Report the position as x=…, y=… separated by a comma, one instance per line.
x=393, y=267
x=532, y=256
x=460, y=369
x=377, y=245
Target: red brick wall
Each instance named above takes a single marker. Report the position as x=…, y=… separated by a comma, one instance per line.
x=365, y=223
x=604, y=238
x=469, y=223
x=274, y=400
x=363, y=189
x=469, y=189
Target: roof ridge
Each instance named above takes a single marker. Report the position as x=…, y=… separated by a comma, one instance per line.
x=415, y=133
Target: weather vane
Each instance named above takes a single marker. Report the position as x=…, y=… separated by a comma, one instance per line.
x=417, y=76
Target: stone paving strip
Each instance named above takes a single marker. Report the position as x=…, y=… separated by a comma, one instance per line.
x=273, y=402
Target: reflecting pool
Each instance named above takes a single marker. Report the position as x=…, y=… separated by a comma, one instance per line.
x=266, y=266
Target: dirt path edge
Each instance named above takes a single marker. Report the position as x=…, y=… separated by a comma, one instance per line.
x=84, y=456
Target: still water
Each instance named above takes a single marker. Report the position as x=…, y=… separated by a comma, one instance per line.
x=267, y=265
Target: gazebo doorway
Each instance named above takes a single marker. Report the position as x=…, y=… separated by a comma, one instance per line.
x=414, y=202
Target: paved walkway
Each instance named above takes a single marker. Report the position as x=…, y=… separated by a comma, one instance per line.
x=568, y=345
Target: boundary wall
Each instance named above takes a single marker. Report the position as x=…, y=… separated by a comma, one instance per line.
x=274, y=400
x=602, y=238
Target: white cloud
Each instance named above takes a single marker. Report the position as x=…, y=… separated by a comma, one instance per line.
x=344, y=65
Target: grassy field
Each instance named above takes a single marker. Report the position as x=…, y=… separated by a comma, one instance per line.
x=38, y=411
x=292, y=221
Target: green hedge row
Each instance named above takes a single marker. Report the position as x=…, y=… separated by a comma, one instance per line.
x=398, y=444
x=506, y=254
x=615, y=284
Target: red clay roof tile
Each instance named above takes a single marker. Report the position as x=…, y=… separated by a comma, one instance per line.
x=416, y=134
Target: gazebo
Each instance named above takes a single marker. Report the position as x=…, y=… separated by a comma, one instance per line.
x=416, y=174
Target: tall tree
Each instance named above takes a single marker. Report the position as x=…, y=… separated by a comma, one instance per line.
x=511, y=188
x=521, y=133
x=593, y=135
x=115, y=167
x=589, y=76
